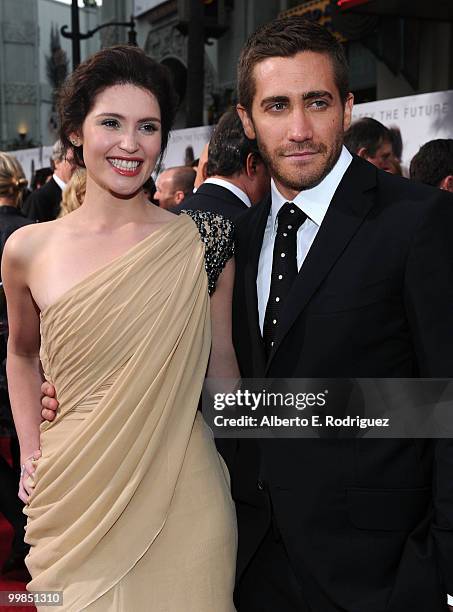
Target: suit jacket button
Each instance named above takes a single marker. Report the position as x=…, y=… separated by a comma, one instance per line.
x=260, y=485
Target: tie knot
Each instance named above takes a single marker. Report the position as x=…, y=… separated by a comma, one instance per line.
x=290, y=216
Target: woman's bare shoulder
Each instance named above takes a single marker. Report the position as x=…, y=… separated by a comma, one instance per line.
x=25, y=242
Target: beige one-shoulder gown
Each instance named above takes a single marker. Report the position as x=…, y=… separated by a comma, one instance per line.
x=132, y=509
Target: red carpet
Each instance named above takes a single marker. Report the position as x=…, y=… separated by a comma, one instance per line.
x=14, y=581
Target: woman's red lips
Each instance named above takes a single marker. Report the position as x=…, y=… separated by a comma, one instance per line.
x=126, y=166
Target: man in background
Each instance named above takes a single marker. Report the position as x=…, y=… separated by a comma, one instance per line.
x=433, y=164
x=236, y=177
x=44, y=203
x=173, y=185
x=372, y=141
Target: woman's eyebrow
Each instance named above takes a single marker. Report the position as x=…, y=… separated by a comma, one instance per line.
x=118, y=116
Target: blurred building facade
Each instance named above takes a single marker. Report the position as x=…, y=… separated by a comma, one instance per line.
x=161, y=32
x=395, y=48
x=26, y=92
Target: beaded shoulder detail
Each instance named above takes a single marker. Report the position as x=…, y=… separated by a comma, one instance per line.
x=217, y=233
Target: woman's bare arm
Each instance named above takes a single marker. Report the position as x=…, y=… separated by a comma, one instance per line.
x=23, y=364
x=223, y=363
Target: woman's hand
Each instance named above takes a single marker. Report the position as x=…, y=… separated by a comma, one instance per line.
x=27, y=470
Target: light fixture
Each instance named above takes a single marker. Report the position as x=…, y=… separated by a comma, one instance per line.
x=22, y=130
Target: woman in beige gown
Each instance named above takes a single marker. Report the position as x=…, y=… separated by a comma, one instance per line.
x=129, y=507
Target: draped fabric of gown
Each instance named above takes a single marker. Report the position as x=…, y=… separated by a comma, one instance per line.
x=132, y=509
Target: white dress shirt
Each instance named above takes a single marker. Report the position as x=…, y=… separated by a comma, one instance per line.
x=61, y=184
x=314, y=203
x=233, y=188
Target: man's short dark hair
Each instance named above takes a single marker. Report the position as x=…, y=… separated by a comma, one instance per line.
x=366, y=133
x=229, y=146
x=433, y=162
x=183, y=178
x=286, y=37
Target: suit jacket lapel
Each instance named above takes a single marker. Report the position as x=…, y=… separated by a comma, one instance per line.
x=250, y=273
x=346, y=212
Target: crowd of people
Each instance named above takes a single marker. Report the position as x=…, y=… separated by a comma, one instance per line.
x=294, y=249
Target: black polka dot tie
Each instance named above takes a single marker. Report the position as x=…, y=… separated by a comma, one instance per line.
x=284, y=268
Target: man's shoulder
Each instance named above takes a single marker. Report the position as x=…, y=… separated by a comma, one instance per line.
x=215, y=198
x=49, y=189
x=408, y=194
x=44, y=203
x=393, y=193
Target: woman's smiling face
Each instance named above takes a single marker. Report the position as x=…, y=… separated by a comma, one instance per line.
x=121, y=138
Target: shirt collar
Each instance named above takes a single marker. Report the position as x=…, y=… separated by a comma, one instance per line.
x=233, y=188
x=61, y=184
x=314, y=202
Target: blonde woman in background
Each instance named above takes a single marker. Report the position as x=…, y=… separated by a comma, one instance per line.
x=74, y=192
x=12, y=185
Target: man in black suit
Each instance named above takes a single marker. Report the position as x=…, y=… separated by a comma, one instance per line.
x=44, y=203
x=236, y=175
x=330, y=525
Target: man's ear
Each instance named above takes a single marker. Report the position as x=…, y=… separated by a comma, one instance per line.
x=362, y=152
x=179, y=196
x=250, y=165
x=247, y=122
x=204, y=170
x=447, y=183
x=347, y=113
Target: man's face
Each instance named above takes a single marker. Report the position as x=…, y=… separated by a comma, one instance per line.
x=383, y=156
x=298, y=119
x=165, y=191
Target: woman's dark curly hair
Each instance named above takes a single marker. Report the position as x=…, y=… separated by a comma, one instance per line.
x=119, y=65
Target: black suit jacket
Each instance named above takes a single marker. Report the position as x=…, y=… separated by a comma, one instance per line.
x=44, y=203
x=368, y=524
x=216, y=199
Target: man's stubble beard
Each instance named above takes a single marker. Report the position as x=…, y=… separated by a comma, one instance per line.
x=305, y=180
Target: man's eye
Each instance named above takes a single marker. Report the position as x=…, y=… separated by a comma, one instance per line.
x=278, y=106
x=318, y=104
x=111, y=123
